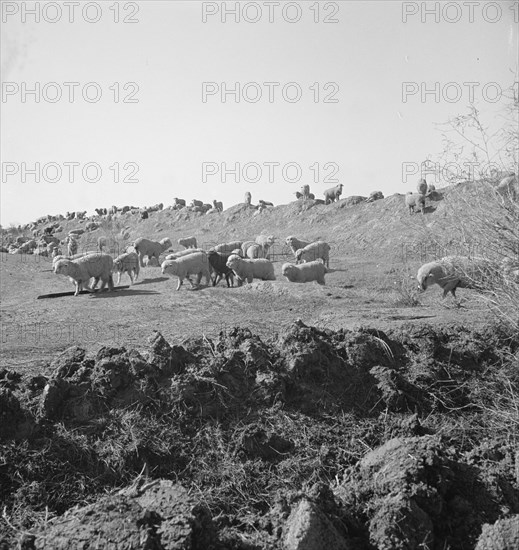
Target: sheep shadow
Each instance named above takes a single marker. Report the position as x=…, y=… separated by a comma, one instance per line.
x=149, y=281
x=120, y=293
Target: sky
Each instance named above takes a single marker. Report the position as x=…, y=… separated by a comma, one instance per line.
x=129, y=102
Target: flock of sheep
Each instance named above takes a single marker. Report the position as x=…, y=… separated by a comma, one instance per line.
x=242, y=261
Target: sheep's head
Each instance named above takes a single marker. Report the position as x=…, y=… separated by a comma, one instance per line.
x=165, y=243
x=61, y=267
x=287, y=269
x=169, y=267
x=232, y=261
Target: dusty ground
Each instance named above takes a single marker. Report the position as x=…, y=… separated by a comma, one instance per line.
x=356, y=293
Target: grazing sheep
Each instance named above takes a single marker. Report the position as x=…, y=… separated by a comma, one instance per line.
x=83, y=269
x=415, y=200
x=452, y=272
x=218, y=205
x=218, y=261
x=247, y=270
x=333, y=194
x=248, y=198
x=129, y=263
x=375, y=196
x=145, y=247
x=421, y=187
x=178, y=203
x=227, y=247
x=304, y=273
x=188, y=242
x=295, y=244
x=191, y=264
x=313, y=251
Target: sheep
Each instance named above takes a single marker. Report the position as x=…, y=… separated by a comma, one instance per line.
x=72, y=245
x=180, y=253
x=414, y=200
x=145, y=247
x=218, y=261
x=76, y=232
x=227, y=247
x=375, y=196
x=295, y=244
x=452, y=272
x=248, y=198
x=191, y=264
x=313, y=251
x=218, y=205
x=195, y=202
x=178, y=203
x=333, y=194
x=91, y=226
x=187, y=242
x=305, y=191
x=83, y=269
x=431, y=188
x=264, y=204
x=129, y=263
x=421, y=187
x=249, y=269
x=144, y=215
x=255, y=251
x=245, y=246
x=304, y=273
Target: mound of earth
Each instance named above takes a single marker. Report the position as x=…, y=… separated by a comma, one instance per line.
x=347, y=439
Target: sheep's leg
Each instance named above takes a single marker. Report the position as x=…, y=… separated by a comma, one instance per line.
x=180, y=281
x=131, y=277
x=119, y=277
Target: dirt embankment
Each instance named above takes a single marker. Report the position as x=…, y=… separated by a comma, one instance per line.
x=314, y=438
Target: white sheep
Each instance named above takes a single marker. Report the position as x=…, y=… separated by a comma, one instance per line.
x=245, y=246
x=180, y=253
x=188, y=242
x=314, y=251
x=415, y=200
x=304, y=273
x=129, y=263
x=248, y=197
x=265, y=240
x=191, y=264
x=248, y=270
x=255, y=251
x=333, y=193
x=145, y=247
x=83, y=269
x=452, y=272
x=295, y=244
x=227, y=247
